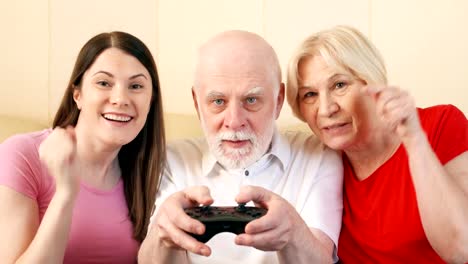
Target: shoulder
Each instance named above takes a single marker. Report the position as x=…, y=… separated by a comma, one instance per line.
x=27, y=144
x=440, y=113
x=21, y=167
x=192, y=150
x=304, y=143
x=446, y=128
x=193, y=146
x=306, y=147
x=439, y=119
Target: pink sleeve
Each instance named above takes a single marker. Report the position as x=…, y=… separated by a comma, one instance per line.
x=20, y=167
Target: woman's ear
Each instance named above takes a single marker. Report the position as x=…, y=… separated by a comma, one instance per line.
x=77, y=97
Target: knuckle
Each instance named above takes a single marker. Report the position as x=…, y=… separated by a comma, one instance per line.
x=176, y=240
x=161, y=226
x=192, y=227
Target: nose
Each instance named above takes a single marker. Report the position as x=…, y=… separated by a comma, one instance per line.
x=119, y=95
x=327, y=105
x=235, y=117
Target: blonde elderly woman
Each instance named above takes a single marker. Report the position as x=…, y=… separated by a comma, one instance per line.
x=406, y=179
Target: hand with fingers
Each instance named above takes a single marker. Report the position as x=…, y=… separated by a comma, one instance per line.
x=172, y=223
x=58, y=153
x=396, y=108
x=278, y=229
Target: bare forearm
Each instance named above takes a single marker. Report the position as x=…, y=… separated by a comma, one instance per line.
x=442, y=204
x=152, y=251
x=307, y=248
x=50, y=241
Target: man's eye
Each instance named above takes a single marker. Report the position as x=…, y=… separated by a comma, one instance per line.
x=251, y=100
x=310, y=94
x=218, y=101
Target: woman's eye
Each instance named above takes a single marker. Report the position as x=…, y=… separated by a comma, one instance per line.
x=218, y=102
x=103, y=83
x=251, y=100
x=136, y=86
x=340, y=85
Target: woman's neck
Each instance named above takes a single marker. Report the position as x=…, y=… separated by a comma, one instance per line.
x=99, y=163
x=368, y=156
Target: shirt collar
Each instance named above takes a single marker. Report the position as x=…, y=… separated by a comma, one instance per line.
x=209, y=161
x=280, y=149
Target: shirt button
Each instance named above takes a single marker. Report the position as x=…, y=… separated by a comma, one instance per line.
x=246, y=172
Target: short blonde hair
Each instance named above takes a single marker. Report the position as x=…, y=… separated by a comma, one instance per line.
x=342, y=47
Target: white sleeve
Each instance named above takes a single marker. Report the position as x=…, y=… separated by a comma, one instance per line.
x=325, y=200
x=168, y=184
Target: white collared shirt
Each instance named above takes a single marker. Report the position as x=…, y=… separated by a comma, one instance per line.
x=297, y=167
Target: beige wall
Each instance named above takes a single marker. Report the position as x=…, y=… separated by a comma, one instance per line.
x=424, y=42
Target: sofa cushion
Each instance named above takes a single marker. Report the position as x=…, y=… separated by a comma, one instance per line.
x=14, y=125
x=177, y=126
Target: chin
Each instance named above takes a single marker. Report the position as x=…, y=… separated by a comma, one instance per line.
x=236, y=158
x=118, y=140
x=336, y=143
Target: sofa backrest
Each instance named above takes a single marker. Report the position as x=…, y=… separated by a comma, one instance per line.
x=177, y=126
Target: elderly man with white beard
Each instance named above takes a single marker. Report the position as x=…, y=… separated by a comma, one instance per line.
x=238, y=95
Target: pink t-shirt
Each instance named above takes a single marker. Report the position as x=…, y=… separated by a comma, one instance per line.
x=101, y=231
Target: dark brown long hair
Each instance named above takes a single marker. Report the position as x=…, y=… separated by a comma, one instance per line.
x=142, y=160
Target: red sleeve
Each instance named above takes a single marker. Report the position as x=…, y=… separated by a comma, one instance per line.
x=447, y=130
x=20, y=167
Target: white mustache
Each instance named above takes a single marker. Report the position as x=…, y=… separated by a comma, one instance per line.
x=238, y=135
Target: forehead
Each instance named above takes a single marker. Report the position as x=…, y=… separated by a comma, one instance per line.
x=235, y=78
x=314, y=70
x=116, y=60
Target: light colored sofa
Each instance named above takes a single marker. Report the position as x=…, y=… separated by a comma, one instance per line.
x=177, y=126
x=10, y=125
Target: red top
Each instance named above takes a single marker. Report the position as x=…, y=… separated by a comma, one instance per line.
x=381, y=221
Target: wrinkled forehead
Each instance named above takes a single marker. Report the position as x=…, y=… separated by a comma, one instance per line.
x=236, y=84
x=318, y=68
x=236, y=78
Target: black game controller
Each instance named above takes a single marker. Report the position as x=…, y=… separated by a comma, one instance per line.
x=219, y=219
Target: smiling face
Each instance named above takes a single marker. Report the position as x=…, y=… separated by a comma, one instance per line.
x=333, y=105
x=114, y=98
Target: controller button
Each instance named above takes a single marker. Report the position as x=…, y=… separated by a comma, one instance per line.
x=241, y=208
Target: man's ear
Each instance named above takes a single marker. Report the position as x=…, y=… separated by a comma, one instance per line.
x=280, y=100
x=195, y=102
x=77, y=97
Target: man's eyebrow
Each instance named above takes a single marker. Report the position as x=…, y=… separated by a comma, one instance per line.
x=214, y=94
x=305, y=87
x=255, y=91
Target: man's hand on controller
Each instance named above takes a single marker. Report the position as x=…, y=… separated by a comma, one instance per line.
x=275, y=230
x=172, y=222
